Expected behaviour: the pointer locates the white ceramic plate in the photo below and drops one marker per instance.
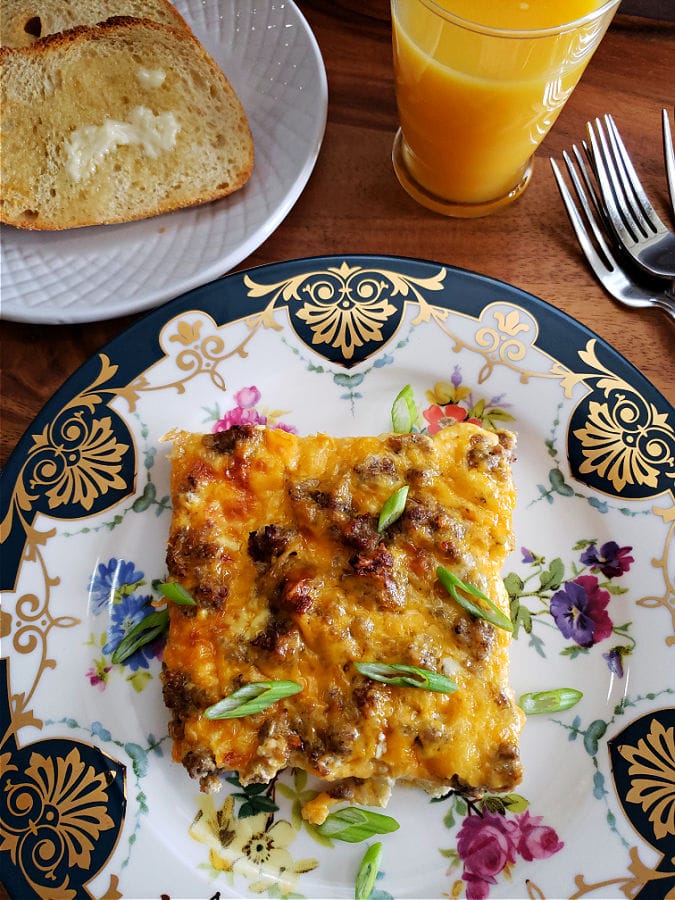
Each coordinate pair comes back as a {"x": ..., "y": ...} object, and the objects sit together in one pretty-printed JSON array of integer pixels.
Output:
[
  {"x": 271, "y": 57},
  {"x": 91, "y": 797}
]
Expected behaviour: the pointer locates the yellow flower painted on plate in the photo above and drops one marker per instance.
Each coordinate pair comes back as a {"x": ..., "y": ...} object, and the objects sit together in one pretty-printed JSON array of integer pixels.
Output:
[
  {"x": 445, "y": 392},
  {"x": 255, "y": 847}
]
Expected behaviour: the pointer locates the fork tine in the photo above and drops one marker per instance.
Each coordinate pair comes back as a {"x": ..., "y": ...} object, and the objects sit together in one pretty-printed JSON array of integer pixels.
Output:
[
  {"x": 605, "y": 171},
  {"x": 599, "y": 266},
  {"x": 592, "y": 191},
  {"x": 607, "y": 271},
  {"x": 593, "y": 219},
  {"x": 669, "y": 155},
  {"x": 645, "y": 214}
]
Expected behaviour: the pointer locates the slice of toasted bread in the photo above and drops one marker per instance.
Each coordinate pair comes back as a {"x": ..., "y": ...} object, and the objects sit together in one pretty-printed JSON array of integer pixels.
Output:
[
  {"x": 116, "y": 122},
  {"x": 26, "y": 21}
]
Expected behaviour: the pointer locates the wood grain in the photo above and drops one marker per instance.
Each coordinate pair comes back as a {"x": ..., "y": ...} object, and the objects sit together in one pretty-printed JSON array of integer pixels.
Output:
[{"x": 353, "y": 203}]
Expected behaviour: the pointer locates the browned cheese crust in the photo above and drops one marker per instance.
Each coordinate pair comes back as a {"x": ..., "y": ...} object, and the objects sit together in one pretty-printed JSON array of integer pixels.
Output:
[{"x": 276, "y": 538}]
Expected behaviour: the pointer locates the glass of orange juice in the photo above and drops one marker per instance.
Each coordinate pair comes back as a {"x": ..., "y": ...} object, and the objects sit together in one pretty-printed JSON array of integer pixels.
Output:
[{"x": 479, "y": 83}]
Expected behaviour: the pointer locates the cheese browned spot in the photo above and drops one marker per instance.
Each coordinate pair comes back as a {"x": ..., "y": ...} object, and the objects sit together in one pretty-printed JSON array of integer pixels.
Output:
[{"x": 275, "y": 536}]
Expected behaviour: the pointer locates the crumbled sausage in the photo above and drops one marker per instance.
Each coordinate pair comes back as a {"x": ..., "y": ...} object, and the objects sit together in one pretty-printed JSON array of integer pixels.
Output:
[
  {"x": 280, "y": 636},
  {"x": 208, "y": 596},
  {"x": 450, "y": 551},
  {"x": 181, "y": 695},
  {"x": 398, "y": 442},
  {"x": 507, "y": 761},
  {"x": 296, "y": 595},
  {"x": 378, "y": 563},
  {"x": 507, "y": 439},
  {"x": 476, "y": 635},
  {"x": 269, "y": 637},
  {"x": 201, "y": 764},
  {"x": 482, "y": 453},
  {"x": 187, "y": 552},
  {"x": 268, "y": 542},
  {"x": 185, "y": 548},
  {"x": 228, "y": 440},
  {"x": 376, "y": 465},
  {"x": 200, "y": 472},
  {"x": 360, "y": 532},
  {"x": 343, "y": 790},
  {"x": 378, "y": 568},
  {"x": 419, "y": 516},
  {"x": 313, "y": 500}
]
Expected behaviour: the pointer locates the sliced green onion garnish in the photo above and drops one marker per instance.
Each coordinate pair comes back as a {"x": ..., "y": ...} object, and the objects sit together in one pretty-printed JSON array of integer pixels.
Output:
[
  {"x": 146, "y": 631},
  {"x": 392, "y": 508},
  {"x": 493, "y": 614},
  {"x": 370, "y": 865},
  {"x": 404, "y": 411},
  {"x": 401, "y": 675},
  {"x": 251, "y": 698},
  {"x": 353, "y": 824},
  {"x": 553, "y": 701},
  {"x": 175, "y": 592}
]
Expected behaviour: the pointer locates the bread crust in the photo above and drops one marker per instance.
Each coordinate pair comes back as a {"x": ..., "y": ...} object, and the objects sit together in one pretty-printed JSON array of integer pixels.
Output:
[
  {"x": 88, "y": 77},
  {"x": 26, "y": 21}
]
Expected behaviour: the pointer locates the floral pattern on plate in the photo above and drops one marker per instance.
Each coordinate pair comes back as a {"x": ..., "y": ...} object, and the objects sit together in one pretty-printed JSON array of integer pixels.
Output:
[{"x": 83, "y": 524}]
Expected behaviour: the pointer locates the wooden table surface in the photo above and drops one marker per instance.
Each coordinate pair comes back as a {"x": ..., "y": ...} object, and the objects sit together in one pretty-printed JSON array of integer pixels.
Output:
[{"x": 353, "y": 203}]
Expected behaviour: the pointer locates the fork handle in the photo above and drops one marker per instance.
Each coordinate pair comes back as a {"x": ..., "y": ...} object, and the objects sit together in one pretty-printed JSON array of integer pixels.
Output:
[{"x": 667, "y": 309}]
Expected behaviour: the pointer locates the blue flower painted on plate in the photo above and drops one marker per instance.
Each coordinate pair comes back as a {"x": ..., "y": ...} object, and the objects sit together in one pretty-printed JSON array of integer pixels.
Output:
[
  {"x": 126, "y": 614},
  {"x": 110, "y": 581},
  {"x": 114, "y": 588}
]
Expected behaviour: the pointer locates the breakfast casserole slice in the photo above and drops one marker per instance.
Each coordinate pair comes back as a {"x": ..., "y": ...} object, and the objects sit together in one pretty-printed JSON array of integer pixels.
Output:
[{"x": 278, "y": 540}]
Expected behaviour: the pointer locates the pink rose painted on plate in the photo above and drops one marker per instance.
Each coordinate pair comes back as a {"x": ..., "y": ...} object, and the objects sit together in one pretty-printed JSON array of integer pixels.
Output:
[
  {"x": 489, "y": 843},
  {"x": 246, "y": 413}
]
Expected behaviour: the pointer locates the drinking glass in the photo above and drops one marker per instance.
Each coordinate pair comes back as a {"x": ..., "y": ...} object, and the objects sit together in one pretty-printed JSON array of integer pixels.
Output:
[{"x": 476, "y": 95}]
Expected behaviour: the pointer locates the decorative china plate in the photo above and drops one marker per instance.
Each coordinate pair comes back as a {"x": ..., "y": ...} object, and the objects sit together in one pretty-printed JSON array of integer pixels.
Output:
[
  {"x": 271, "y": 57},
  {"x": 93, "y": 806}
]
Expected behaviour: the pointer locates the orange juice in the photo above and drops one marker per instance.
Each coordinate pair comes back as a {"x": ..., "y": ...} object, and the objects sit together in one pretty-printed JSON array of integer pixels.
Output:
[{"x": 478, "y": 85}]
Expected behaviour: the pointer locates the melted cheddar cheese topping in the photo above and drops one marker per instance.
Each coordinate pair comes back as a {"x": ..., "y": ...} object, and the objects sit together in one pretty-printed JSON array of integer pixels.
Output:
[{"x": 275, "y": 536}]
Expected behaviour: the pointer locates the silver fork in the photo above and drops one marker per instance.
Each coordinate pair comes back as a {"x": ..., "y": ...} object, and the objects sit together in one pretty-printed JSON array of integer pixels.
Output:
[
  {"x": 603, "y": 263},
  {"x": 669, "y": 156},
  {"x": 633, "y": 219}
]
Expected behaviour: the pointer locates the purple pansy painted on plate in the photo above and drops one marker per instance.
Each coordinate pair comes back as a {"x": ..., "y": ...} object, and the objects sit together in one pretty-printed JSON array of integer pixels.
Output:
[
  {"x": 580, "y": 606},
  {"x": 98, "y": 674},
  {"x": 610, "y": 559},
  {"x": 579, "y": 609}
]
